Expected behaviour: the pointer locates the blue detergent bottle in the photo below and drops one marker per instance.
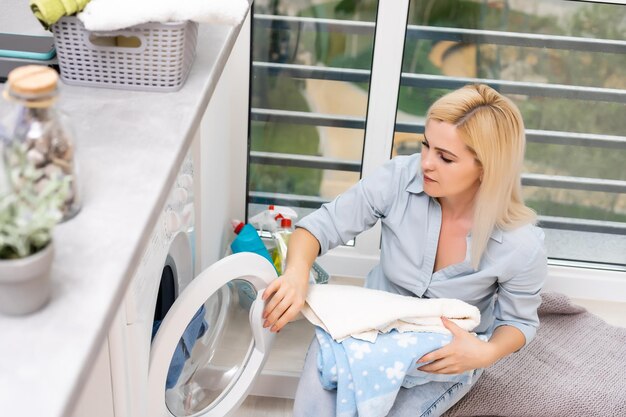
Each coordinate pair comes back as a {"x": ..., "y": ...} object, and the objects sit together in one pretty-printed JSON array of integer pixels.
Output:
[{"x": 248, "y": 240}]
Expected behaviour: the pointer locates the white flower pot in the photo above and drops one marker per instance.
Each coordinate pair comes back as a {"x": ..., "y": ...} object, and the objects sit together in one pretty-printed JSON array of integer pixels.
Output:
[{"x": 25, "y": 282}]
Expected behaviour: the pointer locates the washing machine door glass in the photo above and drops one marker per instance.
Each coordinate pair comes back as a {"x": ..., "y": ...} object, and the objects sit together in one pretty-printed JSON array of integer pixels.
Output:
[{"x": 211, "y": 345}]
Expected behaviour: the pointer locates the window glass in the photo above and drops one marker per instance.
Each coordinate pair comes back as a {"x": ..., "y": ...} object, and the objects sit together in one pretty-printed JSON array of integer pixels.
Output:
[
  {"x": 310, "y": 82},
  {"x": 562, "y": 63}
]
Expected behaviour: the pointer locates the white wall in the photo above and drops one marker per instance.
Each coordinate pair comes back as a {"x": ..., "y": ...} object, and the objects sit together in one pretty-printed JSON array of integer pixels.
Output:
[
  {"x": 223, "y": 155},
  {"x": 22, "y": 20}
]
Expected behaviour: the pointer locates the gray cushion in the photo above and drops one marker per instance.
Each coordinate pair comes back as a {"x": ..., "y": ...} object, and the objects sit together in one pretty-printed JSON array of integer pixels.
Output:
[{"x": 576, "y": 366}]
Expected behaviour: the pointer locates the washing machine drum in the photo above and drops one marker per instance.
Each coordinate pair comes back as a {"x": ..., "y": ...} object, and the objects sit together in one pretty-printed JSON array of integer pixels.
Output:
[{"x": 211, "y": 344}]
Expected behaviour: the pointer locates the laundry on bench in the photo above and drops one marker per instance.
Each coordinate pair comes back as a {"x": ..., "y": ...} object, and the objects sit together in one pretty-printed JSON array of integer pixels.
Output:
[
  {"x": 362, "y": 313},
  {"x": 370, "y": 341}
]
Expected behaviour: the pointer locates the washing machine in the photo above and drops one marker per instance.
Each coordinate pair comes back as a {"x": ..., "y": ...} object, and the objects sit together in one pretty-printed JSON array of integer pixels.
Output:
[{"x": 186, "y": 344}]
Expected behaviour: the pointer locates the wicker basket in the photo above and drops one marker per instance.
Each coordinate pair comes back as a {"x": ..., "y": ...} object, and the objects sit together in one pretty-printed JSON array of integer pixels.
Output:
[{"x": 157, "y": 56}]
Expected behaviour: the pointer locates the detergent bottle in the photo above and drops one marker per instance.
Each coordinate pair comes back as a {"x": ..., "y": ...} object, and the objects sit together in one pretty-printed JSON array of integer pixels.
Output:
[
  {"x": 248, "y": 240},
  {"x": 281, "y": 239}
]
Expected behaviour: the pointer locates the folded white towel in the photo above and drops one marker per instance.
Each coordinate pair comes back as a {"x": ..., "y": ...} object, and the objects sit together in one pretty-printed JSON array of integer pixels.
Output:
[
  {"x": 104, "y": 15},
  {"x": 347, "y": 311}
]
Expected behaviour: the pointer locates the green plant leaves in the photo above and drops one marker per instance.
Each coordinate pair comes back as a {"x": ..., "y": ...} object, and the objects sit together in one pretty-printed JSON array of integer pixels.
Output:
[{"x": 31, "y": 210}]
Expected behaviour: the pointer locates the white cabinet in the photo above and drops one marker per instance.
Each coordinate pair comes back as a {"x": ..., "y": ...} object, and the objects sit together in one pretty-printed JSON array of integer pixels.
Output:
[{"x": 96, "y": 397}]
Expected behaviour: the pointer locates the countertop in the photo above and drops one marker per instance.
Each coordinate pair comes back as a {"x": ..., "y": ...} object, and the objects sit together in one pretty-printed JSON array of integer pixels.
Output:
[{"x": 130, "y": 146}]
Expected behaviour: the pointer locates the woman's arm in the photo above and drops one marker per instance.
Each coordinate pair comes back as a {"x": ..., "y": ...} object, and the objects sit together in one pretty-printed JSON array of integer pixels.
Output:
[
  {"x": 285, "y": 296},
  {"x": 506, "y": 340},
  {"x": 467, "y": 352},
  {"x": 516, "y": 321},
  {"x": 335, "y": 223}
]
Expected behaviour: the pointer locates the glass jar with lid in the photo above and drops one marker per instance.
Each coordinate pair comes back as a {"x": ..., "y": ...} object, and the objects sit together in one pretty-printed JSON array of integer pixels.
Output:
[{"x": 42, "y": 141}]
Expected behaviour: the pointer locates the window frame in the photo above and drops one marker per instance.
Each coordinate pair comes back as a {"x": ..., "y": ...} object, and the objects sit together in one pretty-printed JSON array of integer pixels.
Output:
[{"x": 576, "y": 279}]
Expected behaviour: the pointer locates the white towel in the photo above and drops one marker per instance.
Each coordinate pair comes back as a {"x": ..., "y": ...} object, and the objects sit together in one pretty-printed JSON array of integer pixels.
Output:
[
  {"x": 105, "y": 15},
  {"x": 348, "y": 311}
]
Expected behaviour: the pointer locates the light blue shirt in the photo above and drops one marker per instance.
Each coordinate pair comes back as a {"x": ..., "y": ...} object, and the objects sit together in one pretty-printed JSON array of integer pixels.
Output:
[{"x": 506, "y": 286}]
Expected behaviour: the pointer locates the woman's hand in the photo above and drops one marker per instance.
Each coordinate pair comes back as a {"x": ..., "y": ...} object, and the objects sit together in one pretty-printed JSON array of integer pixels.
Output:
[
  {"x": 465, "y": 352},
  {"x": 284, "y": 298}
]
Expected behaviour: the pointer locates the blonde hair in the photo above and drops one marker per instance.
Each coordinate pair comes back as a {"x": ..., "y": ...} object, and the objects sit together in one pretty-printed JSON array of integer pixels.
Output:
[{"x": 491, "y": 126}]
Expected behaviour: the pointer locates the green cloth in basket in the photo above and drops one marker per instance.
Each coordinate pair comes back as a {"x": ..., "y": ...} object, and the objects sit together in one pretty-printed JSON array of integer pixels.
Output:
[{"x": 50, "y": 11}]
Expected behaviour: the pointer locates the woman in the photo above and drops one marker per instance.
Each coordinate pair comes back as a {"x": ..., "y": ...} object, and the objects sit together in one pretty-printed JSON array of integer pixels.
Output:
[{"x": 453, "y": 226}]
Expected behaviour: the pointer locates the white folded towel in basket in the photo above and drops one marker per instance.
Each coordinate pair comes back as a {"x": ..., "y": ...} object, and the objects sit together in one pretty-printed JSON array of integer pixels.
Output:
[
  {"x": 362, "y": 313},
  {"x": 106, "y": 15}
]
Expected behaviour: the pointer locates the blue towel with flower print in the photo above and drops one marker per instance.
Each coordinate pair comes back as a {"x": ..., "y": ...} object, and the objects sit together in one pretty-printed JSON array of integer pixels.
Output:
[{"x": 368, "y": 376}]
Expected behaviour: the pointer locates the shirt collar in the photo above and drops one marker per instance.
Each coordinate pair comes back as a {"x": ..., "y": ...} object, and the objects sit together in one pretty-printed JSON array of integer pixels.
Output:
[
  {"x": 496, "y": 234},
  {"x": 416, "y": 186}
]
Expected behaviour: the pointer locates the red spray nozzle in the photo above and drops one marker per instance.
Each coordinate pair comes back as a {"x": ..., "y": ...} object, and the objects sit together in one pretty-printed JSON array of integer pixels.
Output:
[{"x": 237, "y": 226}]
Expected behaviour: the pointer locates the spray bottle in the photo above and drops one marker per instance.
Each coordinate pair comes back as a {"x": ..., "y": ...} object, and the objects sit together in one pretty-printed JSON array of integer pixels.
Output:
[{"x": 266, "y": 220}]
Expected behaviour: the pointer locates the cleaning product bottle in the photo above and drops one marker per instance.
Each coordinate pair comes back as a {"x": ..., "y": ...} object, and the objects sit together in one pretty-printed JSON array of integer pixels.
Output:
[
  {"x": 281, "y": 237},
  {"x": 266, "y": 220},
  {"x": 248, "y": 240}
]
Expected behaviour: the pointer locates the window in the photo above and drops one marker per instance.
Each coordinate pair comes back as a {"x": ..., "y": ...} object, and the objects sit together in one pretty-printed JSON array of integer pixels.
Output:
[
  {"x": 331, "y": 80},
  {"x": 310, "y": 83},
  {"x": 561, "y": 62}
]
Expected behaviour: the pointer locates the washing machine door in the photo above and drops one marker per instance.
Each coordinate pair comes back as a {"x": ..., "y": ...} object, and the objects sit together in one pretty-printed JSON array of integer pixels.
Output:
[{"x": 211, "y": 345}]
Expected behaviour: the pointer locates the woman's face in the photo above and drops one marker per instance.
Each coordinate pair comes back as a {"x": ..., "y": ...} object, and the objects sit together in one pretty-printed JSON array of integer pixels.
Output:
[{"x": 450, "y": 169}]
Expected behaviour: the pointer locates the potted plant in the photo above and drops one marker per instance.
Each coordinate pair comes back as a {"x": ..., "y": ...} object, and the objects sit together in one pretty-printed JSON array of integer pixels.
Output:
[{"x": 30, "y": 207}]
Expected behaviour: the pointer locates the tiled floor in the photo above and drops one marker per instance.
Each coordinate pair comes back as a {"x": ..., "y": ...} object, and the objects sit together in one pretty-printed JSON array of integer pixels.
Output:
[
  {"x": 612, "y": 313},
  {"x": 265, "y": 407}
]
